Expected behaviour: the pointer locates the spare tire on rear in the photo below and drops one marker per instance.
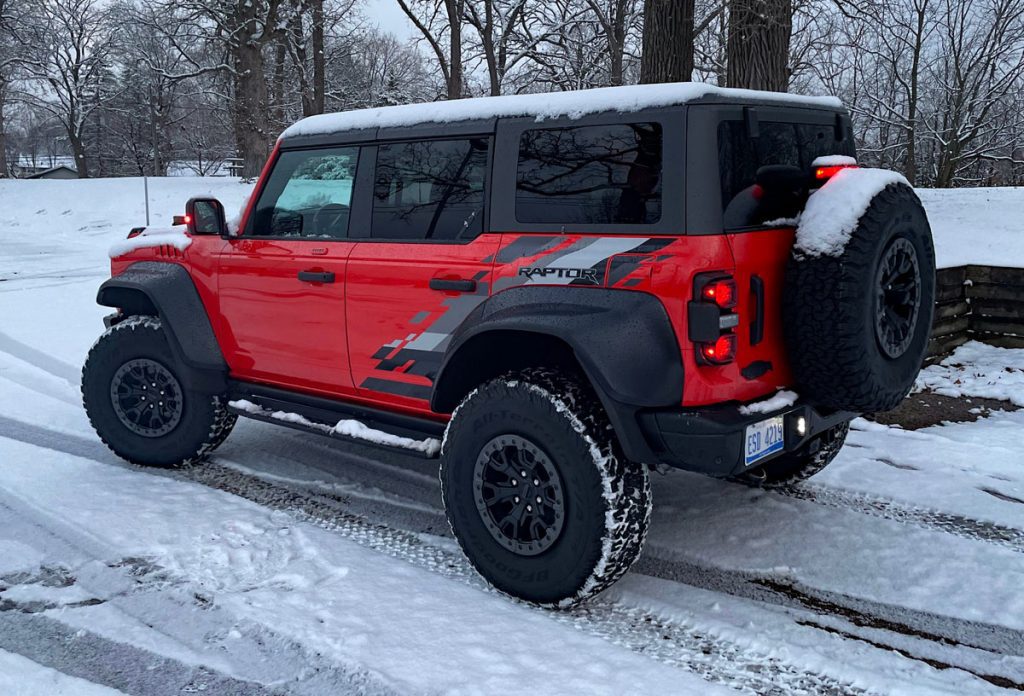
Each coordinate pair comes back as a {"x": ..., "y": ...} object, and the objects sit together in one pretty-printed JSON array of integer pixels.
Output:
[{"x": 857, "y": 319}]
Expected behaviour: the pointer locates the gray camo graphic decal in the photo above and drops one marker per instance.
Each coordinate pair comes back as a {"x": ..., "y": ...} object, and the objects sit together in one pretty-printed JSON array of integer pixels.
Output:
[{"x": 424, "y": 352}]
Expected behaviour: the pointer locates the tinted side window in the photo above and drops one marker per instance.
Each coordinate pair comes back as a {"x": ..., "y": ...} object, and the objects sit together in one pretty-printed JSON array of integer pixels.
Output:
[
  {"x": 308, "y": 194},
  {"x": 429, "y": 190},
  {"x": 590, "y": 174},
  {"x": 739, "y": 158}
]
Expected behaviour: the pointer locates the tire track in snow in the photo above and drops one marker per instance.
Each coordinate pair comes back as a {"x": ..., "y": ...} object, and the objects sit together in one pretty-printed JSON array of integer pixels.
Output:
[
  {"x": 40, "y": 360},
  {"x": 671, "y": 643},
  {"x": 888, "y": 509},
  {"x": 934, "y": 639},
  {"x": 675, "y": 644}
]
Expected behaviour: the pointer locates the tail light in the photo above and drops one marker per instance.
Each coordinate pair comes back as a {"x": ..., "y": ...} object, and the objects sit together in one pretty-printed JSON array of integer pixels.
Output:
[
  {"x": 721, "y": 291},
  {"x": 711, "y": 319},
  {"x": 721, "y": 352}
]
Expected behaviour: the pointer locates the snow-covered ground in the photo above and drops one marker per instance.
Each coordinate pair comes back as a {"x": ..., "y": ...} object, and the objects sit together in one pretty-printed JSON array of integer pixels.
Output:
[{"x": 297, "y": 564}]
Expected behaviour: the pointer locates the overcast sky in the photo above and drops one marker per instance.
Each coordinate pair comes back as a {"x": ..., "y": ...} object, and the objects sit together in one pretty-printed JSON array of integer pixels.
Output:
[{"x": 389, "y": 17}]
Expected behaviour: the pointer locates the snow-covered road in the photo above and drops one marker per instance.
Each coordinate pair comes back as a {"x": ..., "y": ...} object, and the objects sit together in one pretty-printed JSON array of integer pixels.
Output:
[{"x": 297, "y": 564}]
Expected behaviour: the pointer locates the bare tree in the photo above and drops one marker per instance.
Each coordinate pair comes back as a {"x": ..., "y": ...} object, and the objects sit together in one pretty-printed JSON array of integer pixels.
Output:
[
  {"x": 65, "y": 46},
  {"x": 440, "y": 23}
]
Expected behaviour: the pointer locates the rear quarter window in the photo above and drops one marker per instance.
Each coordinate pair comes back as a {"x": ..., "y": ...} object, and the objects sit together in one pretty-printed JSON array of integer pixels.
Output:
[{"x": 607, "y": 174}]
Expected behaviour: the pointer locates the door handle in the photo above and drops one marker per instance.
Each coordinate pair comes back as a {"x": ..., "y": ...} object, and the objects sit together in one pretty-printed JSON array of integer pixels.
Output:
[
  {"x": 316, "y": 277},
  {"x": 456, "y": 285}
]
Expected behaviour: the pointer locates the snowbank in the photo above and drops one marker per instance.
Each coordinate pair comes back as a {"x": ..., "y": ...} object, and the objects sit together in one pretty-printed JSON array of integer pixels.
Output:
[
  {"x": 538, "y": 106},
  {"x": 980, "y": 370},
  {"x": 970, "y": 226},
  {"x": 976, "y": 226}
]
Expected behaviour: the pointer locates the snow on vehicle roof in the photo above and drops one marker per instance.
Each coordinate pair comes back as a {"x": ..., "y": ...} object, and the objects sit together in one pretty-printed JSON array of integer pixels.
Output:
[{"x": 542, "y": 106}]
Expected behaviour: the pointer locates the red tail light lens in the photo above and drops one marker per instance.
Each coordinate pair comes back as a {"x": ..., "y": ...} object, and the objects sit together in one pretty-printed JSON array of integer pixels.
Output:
[
  {"x": 721, "y": 351},
  {"x": 721, "y": 292},
  {"x": 826, "y": 173}
]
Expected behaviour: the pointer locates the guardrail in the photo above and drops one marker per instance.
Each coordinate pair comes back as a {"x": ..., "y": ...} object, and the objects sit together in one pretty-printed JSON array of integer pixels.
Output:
[{"x": 983, "y": 303}]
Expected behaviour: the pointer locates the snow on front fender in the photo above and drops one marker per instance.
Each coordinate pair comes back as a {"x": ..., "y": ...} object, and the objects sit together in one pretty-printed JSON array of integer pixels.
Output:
[
  {"x": 833, "y": 211},
  {"x": 151, "y": 237}
]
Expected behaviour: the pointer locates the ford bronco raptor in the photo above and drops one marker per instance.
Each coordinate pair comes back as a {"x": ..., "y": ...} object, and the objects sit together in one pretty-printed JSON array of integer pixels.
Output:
[{"x": 550, "y": 293}]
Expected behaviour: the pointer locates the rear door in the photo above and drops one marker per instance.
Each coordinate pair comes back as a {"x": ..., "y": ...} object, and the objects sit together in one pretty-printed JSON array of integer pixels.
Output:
[
  {"x": 759, "y": 224},
  {"x": 422, "y": 267},
  {"x": 282, "y": 280}
]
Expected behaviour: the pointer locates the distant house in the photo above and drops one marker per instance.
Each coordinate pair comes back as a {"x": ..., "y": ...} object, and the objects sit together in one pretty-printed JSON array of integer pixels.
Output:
[
  {"x": 60, "y": 172},
  {"x": 25, "y": 167}
]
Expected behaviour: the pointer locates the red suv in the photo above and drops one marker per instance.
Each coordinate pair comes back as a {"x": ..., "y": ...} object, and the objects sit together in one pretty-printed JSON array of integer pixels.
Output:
[{"x": 551, "y": 293}]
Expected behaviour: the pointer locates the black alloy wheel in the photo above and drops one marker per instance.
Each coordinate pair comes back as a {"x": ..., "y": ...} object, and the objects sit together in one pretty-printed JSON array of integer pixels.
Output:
[
  {"x": 518, "y": 494},
  {"x": 897, "y": 298},
  {"x": 146, "y": 397}
]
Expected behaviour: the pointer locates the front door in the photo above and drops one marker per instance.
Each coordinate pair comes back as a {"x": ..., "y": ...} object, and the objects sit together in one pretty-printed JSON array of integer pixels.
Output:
[
  {"x": 282, "y": 281},
  {"x": 423, "y": 269}
]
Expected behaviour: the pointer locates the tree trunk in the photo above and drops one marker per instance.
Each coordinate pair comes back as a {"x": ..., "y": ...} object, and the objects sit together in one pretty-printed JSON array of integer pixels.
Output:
[
  {"x": 668, "y": 41},
  {"x": 319, "y": 59},
  {"x": 454, "y": 10},
  {"x": 78, "y": 151},
  {"x": 277, "y": 96},
  {"x": 250, "y": 112},
  {"x": 757, "y": 51}
]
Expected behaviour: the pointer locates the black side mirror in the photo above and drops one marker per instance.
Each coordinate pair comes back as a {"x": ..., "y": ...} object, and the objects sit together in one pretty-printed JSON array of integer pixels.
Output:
[
  {"x": 781, "y": 178},
  {"x": 203, "y": 216}
]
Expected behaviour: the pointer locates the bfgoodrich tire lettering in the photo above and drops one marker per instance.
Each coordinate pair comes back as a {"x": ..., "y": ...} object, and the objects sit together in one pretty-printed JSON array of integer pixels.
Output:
[
  {"x": 840, "y": 357},
  {"x": 593, "y": 548},
  {"x": 200, "y": 422}
]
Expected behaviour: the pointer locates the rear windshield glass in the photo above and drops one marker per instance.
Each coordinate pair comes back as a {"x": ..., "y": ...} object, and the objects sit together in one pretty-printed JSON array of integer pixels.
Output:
[
  {"x": 590, "y": 175},
  {"x": 740, "y": 156}
]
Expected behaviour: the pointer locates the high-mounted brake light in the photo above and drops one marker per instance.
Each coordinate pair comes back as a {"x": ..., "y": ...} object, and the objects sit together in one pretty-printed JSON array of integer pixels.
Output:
[
  {"x": 721, "y": 292},
  {"x": 721, "y": 351},
  {"x": 826, "y": 173}
]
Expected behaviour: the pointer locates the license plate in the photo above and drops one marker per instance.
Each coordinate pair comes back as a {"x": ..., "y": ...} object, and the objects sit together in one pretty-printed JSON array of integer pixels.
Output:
[{"x": 763, "y": 439}]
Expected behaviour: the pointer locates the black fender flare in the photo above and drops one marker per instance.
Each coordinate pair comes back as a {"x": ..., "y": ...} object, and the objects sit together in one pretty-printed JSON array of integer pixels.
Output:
[
  {"x": 623, "y": 340},
  {"x": 168, "y": 290}
]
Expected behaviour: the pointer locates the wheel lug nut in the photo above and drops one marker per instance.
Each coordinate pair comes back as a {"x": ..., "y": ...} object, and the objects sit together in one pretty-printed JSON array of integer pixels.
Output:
[
  {"x": 523, "y": 473},
  {"x": 538, "y": 499},
  {"x": 536, "y": 482},
  {"x": 517, "y": 498},
  {"x": 529, "y": 508},
  {"x": 514, "y": 482}
]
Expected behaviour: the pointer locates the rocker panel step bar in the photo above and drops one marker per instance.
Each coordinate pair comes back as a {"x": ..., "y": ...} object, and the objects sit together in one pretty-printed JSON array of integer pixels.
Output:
[{"x": 324, "y": 413}]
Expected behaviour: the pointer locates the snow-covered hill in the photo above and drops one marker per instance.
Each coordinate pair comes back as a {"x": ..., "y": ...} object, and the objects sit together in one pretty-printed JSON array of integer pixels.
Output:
[{"x": 977, "y": 225}]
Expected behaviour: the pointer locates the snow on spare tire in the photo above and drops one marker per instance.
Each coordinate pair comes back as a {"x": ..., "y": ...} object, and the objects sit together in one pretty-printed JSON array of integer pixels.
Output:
[{"x": 859, "y": 291}]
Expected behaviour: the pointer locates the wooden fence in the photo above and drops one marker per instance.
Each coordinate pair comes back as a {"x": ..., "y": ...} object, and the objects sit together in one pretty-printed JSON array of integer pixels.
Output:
[{"x": 984, "y": 303}]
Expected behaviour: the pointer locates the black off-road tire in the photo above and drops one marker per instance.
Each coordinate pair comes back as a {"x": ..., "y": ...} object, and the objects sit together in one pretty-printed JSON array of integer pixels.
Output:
[
  {"x": 831, "y": 303},
  {"x": 203, "y": 423},
  {"x": 799, "y": 465},
  {"x": 607, "y": 499}
]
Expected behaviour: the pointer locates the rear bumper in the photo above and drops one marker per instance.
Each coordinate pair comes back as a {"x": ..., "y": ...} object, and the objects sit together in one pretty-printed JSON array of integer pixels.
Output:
[{"x": 711, "y": 440}]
